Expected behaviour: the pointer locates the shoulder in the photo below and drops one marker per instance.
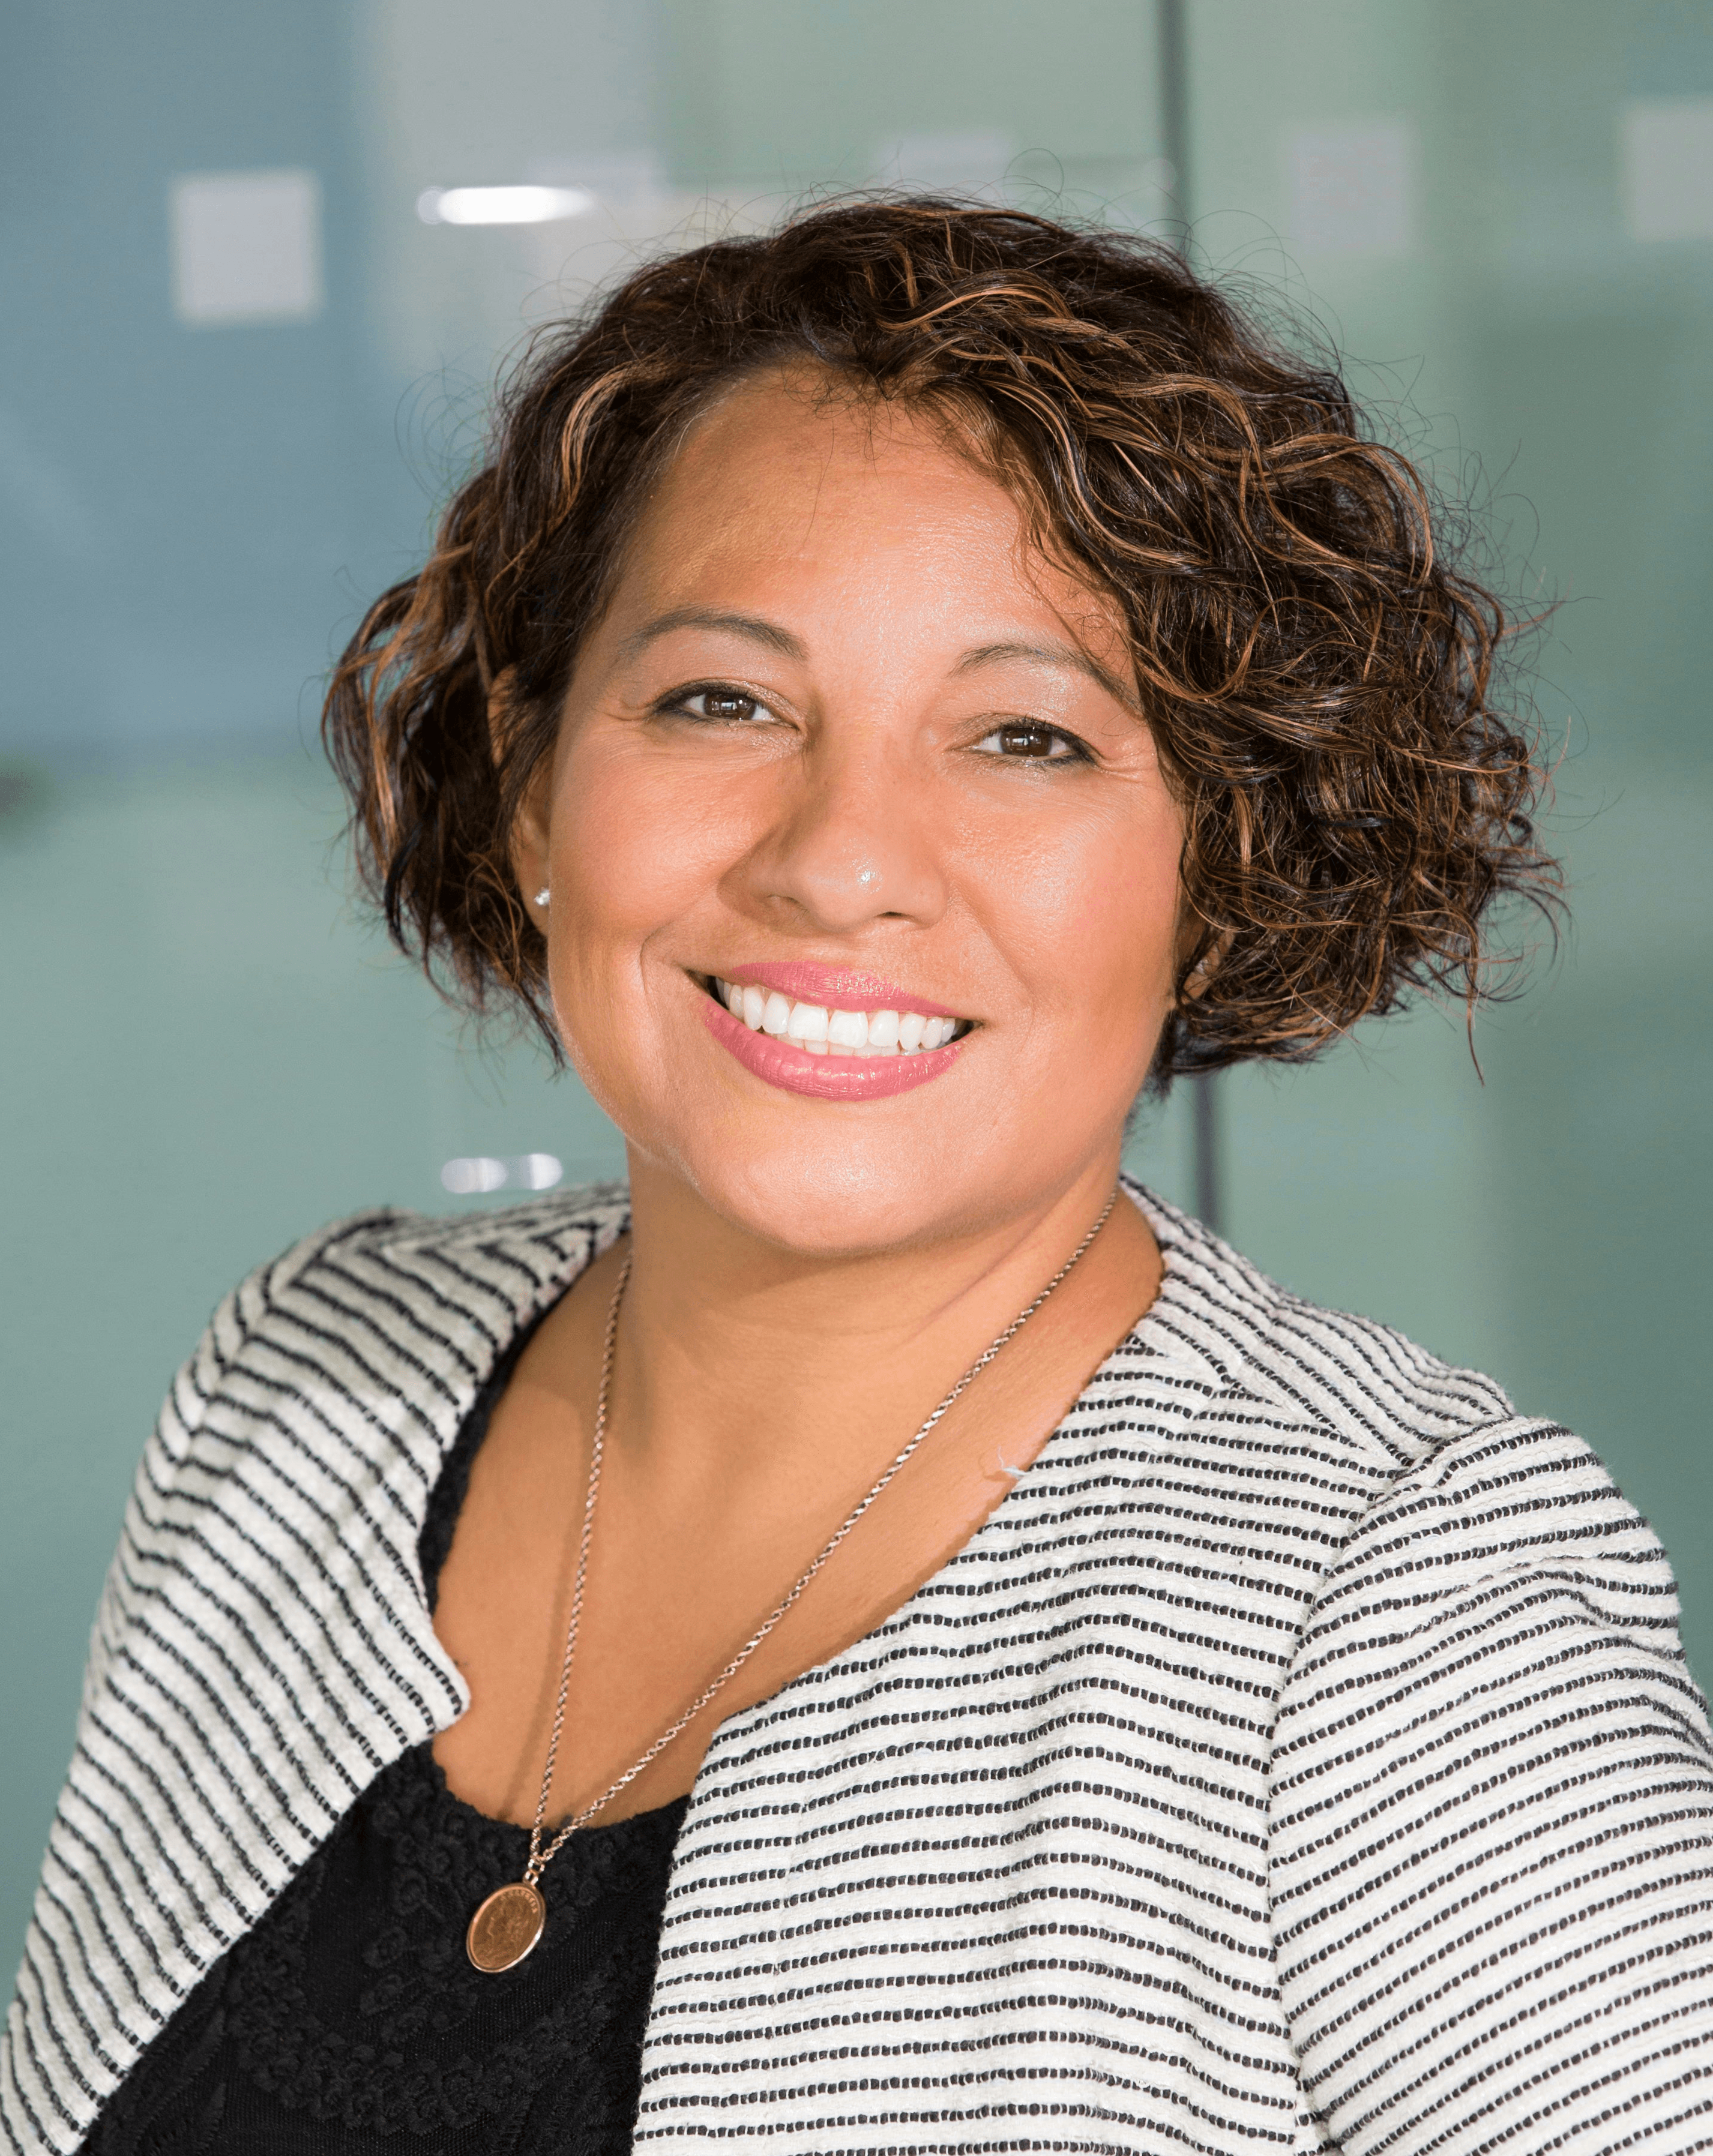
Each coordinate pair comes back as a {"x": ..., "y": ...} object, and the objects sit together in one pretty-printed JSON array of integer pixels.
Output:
[
  {"x": 511, "y": 1242},
  {"x": 1457, "y": 1565},
  {"x": 318, "y": 1407},
  {"x": 1382, "y": 1399},
  {"x": 392, "y": 1317},
  {"x": 1438, "y": 1482},
  {"x": 491, "y": 1266}
]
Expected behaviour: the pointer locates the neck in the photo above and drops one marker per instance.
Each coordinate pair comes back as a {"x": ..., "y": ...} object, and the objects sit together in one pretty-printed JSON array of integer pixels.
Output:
[{"x": 750, "y": 1362}]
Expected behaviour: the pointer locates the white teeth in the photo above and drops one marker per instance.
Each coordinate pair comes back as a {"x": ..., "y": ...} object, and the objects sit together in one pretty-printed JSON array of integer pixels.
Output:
[{"x": 819, "y": 1031}]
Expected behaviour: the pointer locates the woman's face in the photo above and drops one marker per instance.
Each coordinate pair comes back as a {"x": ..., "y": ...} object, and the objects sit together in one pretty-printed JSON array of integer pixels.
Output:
[{"x": 845, "y": 751}]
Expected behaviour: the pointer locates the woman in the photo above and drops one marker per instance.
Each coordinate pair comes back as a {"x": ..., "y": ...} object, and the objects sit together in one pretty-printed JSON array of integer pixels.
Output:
[{"x": 896, "y": 690}]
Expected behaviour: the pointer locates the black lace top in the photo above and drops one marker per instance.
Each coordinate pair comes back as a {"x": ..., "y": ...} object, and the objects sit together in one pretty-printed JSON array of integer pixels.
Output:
[{"x": 351, "y": 2017}]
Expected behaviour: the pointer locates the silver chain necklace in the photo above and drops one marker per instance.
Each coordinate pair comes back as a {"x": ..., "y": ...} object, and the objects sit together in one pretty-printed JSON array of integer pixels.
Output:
[{"x": 510, "y": 1921}]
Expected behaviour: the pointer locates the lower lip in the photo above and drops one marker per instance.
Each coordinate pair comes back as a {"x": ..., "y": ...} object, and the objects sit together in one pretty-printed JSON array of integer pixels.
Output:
[{"x": 825, "y": 1077}]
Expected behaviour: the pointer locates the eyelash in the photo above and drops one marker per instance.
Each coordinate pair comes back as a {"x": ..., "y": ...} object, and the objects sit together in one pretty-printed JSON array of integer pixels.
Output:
[{"x": 676, "y": 705}]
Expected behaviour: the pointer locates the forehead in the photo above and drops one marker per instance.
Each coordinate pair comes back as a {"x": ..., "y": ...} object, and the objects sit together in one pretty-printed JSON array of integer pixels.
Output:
[
  {"x": 780, "y": 413},
  {"x": 793, "y": 474}
]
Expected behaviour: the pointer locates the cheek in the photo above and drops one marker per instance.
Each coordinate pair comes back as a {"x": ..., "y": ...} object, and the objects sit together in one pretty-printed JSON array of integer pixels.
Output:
[
  {"x": 1096, "y": 914},
  {"x": 633, "y": 851}
]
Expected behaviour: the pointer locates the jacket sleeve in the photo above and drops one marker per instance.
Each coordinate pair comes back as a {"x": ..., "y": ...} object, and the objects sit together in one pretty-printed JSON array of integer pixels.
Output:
[
  {"x": 175, "y": 1429},
  {"x": 1491, "y": 1822},
  {"x": 99, "y": 1977}
]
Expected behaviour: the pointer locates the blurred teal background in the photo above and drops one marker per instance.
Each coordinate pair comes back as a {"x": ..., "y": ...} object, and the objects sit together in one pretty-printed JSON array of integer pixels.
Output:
[{"x": 228, "y": 404}]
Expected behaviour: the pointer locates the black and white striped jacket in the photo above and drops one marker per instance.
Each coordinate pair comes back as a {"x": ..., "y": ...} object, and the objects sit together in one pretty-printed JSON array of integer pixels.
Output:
[{"x": 1303, "y": 1753}]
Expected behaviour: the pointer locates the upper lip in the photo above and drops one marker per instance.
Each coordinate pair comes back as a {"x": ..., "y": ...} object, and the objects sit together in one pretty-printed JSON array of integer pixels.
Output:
[{"x": 835, "y": 988}]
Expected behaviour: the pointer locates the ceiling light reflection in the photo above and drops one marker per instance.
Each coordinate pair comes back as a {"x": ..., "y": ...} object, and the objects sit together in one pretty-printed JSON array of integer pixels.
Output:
[
  {"x": 477, "y": 1173},
  {"x": 536, "y": 1170},
  {"x": 502, "y": 205}
]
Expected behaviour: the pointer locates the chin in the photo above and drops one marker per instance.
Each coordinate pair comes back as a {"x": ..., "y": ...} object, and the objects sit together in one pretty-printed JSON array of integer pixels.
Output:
[
  {"x": 828, "y": 1200},
  {"x": 849, "y": 1185}
]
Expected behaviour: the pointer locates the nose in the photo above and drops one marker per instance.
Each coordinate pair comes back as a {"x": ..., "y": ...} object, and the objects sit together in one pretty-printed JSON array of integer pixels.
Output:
[{"x": 852, "y": 841}]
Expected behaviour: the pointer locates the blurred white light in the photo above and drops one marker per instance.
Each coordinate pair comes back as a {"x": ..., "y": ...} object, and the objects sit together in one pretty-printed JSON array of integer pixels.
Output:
[
  {"x": 1666, "y": 154},
  {"x": 246, "y": 247},
  {"x": 536, "y": 1170},
  {"x": 479, "y": 1173},
  {"x": 501, "y": 205},
  {"x": 462, "y": 1176},
  {"x": 1353, "y": 188}
]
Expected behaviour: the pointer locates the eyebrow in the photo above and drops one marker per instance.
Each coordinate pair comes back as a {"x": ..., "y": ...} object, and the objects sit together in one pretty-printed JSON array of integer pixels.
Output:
[
  {"x": 766, "y": 632},
  {"x": 1054, "y": 654}
]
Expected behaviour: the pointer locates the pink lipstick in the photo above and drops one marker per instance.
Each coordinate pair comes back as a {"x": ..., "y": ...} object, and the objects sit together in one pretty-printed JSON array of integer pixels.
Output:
[{"x": 828, "y": 1077}]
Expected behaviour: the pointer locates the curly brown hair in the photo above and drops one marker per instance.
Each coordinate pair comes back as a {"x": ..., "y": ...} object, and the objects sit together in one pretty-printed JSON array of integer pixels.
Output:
[{"x": 1317, "y": 672}]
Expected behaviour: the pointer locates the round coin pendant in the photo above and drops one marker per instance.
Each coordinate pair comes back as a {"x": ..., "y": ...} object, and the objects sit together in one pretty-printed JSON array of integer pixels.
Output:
[{"x": 505, "y": 1927}]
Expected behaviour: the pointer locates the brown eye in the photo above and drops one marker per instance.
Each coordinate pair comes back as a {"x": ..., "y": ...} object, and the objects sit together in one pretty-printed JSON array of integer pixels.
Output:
[
  {"x": 726, "y": 704},
  {"x": 1024, "y": 738},
  {"x": 722, "y": 707},
  {"x": 1025, "y": 741}
]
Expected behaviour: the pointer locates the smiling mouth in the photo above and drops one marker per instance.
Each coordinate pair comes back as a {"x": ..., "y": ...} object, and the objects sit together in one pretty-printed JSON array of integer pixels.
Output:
[{"x": 820, "y": 1029}]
